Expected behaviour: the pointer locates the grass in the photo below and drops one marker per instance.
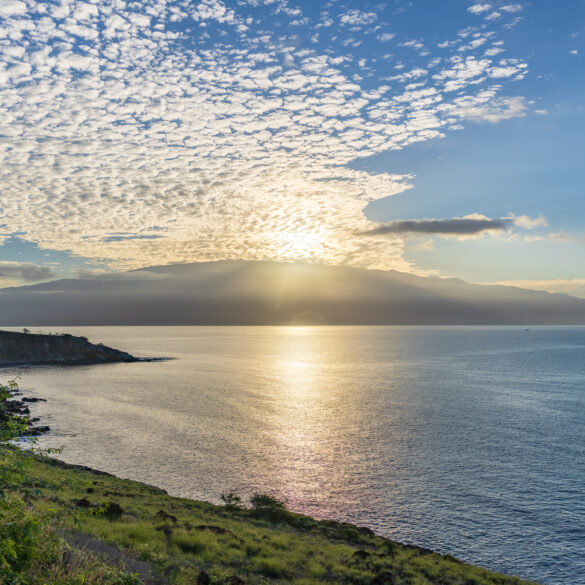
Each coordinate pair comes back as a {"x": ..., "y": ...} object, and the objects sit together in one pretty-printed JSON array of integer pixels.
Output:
[{"x": 180, "y": 538}]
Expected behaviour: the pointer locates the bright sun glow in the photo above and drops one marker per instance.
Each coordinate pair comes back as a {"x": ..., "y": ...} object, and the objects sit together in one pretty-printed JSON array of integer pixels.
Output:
[{"x": 300, "y": 245}]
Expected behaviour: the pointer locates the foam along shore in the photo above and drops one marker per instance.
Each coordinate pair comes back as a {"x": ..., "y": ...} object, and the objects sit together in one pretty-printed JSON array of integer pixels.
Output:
[{"x": 28, "y": 349}]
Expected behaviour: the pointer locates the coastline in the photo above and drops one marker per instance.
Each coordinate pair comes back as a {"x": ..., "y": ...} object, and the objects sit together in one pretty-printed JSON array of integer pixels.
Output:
[
  {"x": 256, "y": 545},
  {"x": 127, "y": 524},
  {"x": 36, "y": 364},
  {"x": 75, "y": 489},
  {"x": 18, "y": 406}
]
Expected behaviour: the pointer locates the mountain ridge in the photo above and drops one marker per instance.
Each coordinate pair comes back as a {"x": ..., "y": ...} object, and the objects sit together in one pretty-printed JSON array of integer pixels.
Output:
[{"x": 244, "y": 292}]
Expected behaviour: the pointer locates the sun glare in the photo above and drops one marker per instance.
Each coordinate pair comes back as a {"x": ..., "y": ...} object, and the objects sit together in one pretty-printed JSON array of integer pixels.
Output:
[{"x": 299, "y": 245}]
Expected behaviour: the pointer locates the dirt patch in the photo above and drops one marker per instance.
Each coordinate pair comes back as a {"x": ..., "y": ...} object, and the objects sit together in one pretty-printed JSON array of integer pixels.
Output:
[{"x": 115, "y": 557}]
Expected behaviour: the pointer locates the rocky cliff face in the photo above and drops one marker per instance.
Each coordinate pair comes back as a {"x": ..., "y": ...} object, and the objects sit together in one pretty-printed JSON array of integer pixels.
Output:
[{"x": 35, "y": 349}]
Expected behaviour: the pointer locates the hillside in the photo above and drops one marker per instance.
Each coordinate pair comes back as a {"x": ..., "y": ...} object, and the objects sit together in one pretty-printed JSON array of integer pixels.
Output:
[
  {"x": 168, "y": 540},
  {"x": 272, "y": 293},
  {"x": 37, "y": 349}
]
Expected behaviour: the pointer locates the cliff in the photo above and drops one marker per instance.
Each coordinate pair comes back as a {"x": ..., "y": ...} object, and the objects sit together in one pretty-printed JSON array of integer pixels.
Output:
[{"x": 39, "y": 349}]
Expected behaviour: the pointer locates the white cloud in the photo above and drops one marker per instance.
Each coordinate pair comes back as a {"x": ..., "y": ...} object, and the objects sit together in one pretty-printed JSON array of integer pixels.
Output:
[
  {"x": 116, "y": 123},
  {"x": 357, "y": 18},
  {"x": 511, "y": 8},
  {"x": 479, "y": 8},
  {"x": 492, "y": 111},
  {"x": 528, "y": 223},
  {"x": 10, "y": 8}
]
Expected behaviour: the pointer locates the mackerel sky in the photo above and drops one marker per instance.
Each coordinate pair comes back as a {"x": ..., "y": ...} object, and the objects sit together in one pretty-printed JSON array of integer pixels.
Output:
[{"x": 435, "y": 137}]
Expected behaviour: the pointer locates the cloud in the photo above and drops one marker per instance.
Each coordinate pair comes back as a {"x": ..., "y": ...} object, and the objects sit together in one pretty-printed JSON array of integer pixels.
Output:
[
  {"x": 357, "y": 18},
  {"x": 528, "y": 223},
  {"x": 26, "y": 271},
  {"x": 10, "y": 8},
  {"x": 220, "y": 129},
  {"x": 123, "y": 237},
  {"x": 511, "y": 8},
  {"x": 494, "y": 111},
  {"x": 479, "y": 8},
  {"x": 575, "y": 286},
  {"x": 457, "y": 226}
]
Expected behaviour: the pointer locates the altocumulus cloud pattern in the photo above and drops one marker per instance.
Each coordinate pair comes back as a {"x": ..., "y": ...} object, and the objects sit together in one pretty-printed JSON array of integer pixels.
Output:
[{"x": 153, "y": 131}]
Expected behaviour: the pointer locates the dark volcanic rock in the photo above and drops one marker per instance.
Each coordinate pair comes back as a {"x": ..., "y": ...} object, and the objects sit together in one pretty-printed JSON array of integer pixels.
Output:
[
  {"x": 214, "y": 529},
  {"x": 361, "y": 554},
  {"x": 384, "y": 578},
  {"x": 36, "y": 431},
  {"x": 114, "y": 510},
  {"x": 36, "y": 349},
  {"x": 162, "y": 515}
]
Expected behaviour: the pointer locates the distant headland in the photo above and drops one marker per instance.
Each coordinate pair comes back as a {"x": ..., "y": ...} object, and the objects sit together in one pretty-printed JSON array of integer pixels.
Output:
[{"x": 26, "y": 348}]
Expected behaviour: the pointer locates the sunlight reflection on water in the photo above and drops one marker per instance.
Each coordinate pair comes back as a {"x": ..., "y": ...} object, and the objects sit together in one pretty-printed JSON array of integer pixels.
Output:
[{"x": 465, "y": 440}]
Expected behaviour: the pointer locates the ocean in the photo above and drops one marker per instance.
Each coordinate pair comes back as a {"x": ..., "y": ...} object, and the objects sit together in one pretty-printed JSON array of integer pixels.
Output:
[{"x": 466, "y": 440}]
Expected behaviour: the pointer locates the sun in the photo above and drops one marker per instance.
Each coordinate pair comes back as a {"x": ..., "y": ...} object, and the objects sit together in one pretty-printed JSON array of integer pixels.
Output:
[{"x": 299, "y": 245}]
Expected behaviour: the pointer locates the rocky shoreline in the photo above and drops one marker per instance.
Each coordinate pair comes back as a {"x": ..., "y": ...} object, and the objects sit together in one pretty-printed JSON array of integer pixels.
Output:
[
  {"x": 24, "y": 349},
  {"x": 17, "y": 407}
]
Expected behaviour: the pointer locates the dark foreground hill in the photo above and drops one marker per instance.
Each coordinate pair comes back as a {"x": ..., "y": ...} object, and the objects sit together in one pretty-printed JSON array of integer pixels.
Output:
[
  {"x": 273, "y": 293},
  {"x": 34, "y": 349}
]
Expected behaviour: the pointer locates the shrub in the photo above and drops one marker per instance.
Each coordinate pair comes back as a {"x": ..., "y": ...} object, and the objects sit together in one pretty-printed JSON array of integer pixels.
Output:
[
  {"x": 263, "y": 502},
  {"x": 268, "y": 506},
  {"x": 231, "y": 501}
]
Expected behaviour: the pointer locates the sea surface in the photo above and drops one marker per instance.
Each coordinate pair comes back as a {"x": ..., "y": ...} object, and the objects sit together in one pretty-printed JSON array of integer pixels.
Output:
[{"x": 466, "y": 440}]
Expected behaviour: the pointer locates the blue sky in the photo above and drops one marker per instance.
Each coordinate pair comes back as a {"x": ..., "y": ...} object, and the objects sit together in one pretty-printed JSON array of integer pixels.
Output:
[{"x": 434, "y": 137}]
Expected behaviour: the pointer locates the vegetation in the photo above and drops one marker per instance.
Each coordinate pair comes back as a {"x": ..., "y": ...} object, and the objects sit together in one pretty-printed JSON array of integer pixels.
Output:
[
  {"x": 71, "y": 525},
  {"x": 32, "y": 551}
]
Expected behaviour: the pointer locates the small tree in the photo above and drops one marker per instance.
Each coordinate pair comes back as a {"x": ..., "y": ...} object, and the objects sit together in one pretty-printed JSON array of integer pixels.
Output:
[
  {"x": 269, "y": 507},
  {"x": 231, "y": 501}
]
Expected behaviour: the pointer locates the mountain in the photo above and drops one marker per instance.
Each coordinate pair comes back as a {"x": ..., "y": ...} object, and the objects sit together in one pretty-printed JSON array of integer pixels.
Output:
[{"x": 272, "y": 293}]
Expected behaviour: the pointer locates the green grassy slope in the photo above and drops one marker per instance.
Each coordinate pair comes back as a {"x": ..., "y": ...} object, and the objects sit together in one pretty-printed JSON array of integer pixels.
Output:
[{"x": 180, "y": 538}]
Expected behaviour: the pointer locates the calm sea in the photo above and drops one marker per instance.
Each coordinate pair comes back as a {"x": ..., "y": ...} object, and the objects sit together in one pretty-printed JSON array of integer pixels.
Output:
[{"x": 465, "y": 440}]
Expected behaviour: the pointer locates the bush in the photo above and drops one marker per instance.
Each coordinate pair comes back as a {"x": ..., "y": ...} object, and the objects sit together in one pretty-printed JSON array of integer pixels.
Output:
[
  {"x": 268, "y": 506},
  {"x": 19, "y": 535},
  {"x": 231, "y": 501}
]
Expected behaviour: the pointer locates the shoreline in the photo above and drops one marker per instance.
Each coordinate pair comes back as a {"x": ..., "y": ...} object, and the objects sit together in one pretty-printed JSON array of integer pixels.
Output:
[
  {"x": 84, "y": 491},
  {"x": 368, "y": 553},
  {"x": 18, "y": 406},
  {"x": 39, "y": 364}
]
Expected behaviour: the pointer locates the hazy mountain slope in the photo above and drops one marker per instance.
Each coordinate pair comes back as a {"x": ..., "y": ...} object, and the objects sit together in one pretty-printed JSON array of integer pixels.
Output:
[{"x": 265, "y": 293}]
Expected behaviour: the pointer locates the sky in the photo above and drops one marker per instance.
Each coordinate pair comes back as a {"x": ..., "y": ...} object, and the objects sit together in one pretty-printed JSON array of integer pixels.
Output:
[{"x": 436, "y": 137}]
